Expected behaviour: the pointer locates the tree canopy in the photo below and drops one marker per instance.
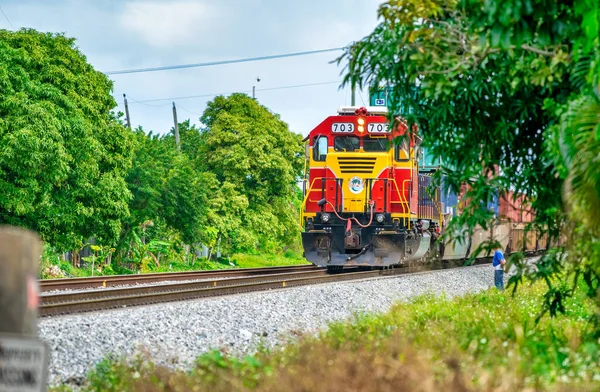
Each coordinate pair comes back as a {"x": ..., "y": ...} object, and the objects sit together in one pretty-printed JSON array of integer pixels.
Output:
[
  {"x": 233, "y": 184},
  {"x": 63, "y": 154},
  {"x": 70, "y": 170},
  {"x": 507, "y": 92},
  {"x": 168, "y": 190},
  {"x": 255, "y": 156}
]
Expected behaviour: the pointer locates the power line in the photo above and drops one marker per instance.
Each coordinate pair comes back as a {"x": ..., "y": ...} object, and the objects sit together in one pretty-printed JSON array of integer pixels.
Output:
[
  {"x": 211, "y": 63},
  {"x": 147, "y": 104},
  {"x": 299, "y": 85},
  {"x": 8, "y": 20},
  {"x": 189, "y": 111},
  {"x": 145, "y": 101}
]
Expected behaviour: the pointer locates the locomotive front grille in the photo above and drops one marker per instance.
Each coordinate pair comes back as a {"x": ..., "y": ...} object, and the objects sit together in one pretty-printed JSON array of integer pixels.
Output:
[{"x": 357, "y": 164}]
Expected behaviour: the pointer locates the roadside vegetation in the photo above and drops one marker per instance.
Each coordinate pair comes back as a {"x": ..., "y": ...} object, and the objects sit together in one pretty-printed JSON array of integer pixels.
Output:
[
  {"x": 74, "y": 172},
  {"x": 487, "y": 341},
  {"x": 54, "y": 267}
]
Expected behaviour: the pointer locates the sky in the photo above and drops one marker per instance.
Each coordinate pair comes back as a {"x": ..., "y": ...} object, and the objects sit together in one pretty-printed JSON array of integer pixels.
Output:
[{"x": 128, "y": 34}]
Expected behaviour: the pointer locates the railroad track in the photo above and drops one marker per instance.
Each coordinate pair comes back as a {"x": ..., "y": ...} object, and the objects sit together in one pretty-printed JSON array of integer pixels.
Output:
[
  {"x": 93, "y": 300},
  {"x": 119, "y": 280}
]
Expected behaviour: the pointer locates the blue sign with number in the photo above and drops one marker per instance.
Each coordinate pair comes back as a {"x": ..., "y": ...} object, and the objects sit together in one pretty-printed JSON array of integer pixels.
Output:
[{"x": 380, "y": 102}]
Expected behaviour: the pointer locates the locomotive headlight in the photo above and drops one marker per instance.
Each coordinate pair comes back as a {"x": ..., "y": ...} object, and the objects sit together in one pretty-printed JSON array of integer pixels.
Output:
[
  {"x": 380, "y": 218},
  {"x": 361, "y": 121},
  {"x": 325, "y": 217},
  {"x": 361, "y": 129}
]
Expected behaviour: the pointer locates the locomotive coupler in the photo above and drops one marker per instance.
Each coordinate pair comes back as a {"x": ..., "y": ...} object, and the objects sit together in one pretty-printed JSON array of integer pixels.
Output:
[{"x": 352, "y": 240}]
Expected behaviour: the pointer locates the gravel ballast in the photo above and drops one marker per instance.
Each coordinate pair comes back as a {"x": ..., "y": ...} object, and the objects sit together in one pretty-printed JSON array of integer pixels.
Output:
[{"x": 180, "y": 331}]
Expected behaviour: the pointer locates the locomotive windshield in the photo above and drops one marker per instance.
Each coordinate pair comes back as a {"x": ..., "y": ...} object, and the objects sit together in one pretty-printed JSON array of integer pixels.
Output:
[
  {"x": 376, "y": 144},
  {"x": 346, "y": 143},
  {"x": 402, "y": 149},
  {"x": 320, "y": 148}
]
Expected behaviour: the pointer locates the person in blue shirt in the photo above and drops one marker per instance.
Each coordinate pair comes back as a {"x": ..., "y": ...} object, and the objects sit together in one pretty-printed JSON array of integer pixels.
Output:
[{"x": 498, "y": 264}]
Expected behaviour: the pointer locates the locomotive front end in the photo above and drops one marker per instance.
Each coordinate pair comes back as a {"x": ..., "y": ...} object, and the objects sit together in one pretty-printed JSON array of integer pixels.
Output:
[{"x": 358, "y": 190}]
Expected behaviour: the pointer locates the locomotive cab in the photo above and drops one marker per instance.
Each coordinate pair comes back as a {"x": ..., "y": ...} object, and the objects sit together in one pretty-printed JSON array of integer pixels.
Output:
[{"x": 359, "y": 205}]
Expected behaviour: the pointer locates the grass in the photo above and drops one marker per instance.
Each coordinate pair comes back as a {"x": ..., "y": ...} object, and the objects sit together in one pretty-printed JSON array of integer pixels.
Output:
[
  {"x": 272, "y": 260},
  {"x": 238, "y": 260},
  {"x": 65, "y": 269},
  {"x": 481, "y": 342}
]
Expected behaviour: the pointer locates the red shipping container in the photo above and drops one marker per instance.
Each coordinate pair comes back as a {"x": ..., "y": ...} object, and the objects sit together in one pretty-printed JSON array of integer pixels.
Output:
[
  {"x": 515, "y": 208},
  {"x": 506, "y": 207},
  {"x": 510, "y": 206},
  {"x": 528, "y": 214}
]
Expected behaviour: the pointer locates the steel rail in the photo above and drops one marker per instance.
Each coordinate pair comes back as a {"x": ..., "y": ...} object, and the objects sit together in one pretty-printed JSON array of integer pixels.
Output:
[
  {"x": 51, "y": 305},
  {"x": 137, "y": 290},
  {"x": 118, "y": 280}
]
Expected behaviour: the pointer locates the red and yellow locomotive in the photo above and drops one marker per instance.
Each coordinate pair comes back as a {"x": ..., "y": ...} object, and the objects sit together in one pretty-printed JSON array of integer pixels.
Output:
[{"x": 365, "y": 202}]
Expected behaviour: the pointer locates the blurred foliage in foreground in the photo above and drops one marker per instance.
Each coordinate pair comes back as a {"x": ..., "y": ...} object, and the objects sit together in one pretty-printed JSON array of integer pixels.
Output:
[
  {"x": 486, "y": 341},
  {"x": 507, "y": 92}
]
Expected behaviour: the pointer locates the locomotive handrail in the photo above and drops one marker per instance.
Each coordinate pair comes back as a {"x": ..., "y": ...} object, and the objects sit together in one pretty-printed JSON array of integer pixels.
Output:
[
  {"x": 310, "y": 189},
  {"x": 404, "y": 192},
  {"x": 303, "y": 205},
  {"x": 401, "y": 196}
]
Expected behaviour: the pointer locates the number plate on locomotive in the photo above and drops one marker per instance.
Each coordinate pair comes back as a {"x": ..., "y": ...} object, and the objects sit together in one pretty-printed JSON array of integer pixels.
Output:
[
  {"x": 342, "y": 127},
  {"x": 378, "y": 128}
]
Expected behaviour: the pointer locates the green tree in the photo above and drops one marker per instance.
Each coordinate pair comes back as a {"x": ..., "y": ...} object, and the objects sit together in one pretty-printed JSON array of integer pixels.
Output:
[
  {"x": 152, "y": 159},
  {"x": 509, "y": 85},
  {"x": 63, "y": 153},
  {"x": 170, "y": 193},
  {"x": 255, "y": 157},
  {"x": 226, "y": 219},
  {"x": 191, "y": 140},
  {"x": 186, "y": 199}
]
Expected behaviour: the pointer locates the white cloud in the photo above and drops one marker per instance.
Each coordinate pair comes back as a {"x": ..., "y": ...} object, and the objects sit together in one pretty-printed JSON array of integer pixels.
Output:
[
  {"x": 163, "y": 24},
  {"x": 126, "y": 34}
]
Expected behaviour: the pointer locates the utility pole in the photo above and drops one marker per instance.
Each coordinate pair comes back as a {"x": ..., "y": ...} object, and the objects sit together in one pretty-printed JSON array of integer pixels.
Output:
[
  {"x": 176, "y": 127},
  {"x": 127, "y": 111},
  {"x": 254, "y": 88}
]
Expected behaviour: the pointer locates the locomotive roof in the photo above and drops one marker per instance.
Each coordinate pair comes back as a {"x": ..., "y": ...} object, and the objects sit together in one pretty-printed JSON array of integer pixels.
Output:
[
  {"x": 370, "y": 110},
  {"x": 371, "y": 115}
]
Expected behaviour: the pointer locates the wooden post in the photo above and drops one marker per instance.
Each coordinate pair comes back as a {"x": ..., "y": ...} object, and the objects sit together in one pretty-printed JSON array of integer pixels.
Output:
[
  {"x": 127, "y": 111},
  {"x": 176, "y": 127},
  {"x": 20, "y": 252}
]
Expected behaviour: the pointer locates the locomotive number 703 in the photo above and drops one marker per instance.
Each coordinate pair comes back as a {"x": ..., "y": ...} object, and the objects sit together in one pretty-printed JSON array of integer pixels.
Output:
[
  {"x": 342, "y": 127},
  {"x": 378, "y": 127}
]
